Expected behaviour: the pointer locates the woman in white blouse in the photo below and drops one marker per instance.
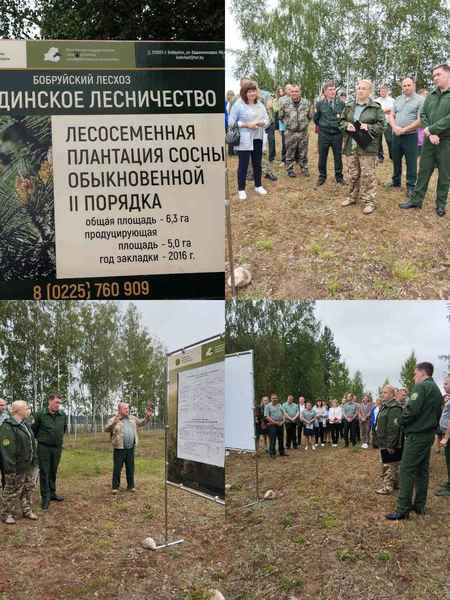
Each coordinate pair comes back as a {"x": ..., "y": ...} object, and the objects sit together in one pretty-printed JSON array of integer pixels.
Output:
[
  {"x": 250, "y": 115},
  {"x": 334, "y": 422}
]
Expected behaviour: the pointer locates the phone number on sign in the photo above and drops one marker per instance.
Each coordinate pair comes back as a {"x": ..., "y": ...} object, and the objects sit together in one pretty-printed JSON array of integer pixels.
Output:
[{"x": 91, "y": 291}]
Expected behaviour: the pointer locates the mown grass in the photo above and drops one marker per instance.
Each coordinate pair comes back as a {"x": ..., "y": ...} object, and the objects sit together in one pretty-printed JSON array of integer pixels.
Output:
[
  {"x": 325, "y": 535},
  {"x": 90, "y": 545},
  {"x": 298, "y": 242}
]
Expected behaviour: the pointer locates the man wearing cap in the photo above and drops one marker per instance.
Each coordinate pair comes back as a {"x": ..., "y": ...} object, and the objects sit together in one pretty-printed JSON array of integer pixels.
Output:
[
  {"x": 49, "y": 427},
  {"x": 419, "y": 421}
]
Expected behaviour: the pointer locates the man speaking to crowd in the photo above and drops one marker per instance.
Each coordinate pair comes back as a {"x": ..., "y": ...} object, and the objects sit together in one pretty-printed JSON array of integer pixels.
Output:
[
  {"x": 124, "y": 438},
  {"x": 419, "y": 421}
]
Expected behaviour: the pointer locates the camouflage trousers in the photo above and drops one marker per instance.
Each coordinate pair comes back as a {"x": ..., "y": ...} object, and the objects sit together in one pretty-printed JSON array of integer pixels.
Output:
[
  {"x": 390, "y": 475},
  {"x": 361, "y": 178},
  {"x": 18, "y": 488},
  {"x": 296, "y": 140}
]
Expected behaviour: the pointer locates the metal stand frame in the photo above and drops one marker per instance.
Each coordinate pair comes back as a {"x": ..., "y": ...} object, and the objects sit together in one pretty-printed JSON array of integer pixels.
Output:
[
  {"x": 166, "y": 511},
  {"x": 229, "y": 229},
  {"x": 258, "y": 498}
]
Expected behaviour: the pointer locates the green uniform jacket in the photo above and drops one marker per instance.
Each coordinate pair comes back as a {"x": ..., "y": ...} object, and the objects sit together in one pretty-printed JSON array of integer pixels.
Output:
[
  {"x": 373, "y": 115},
  {"x": 50, "y": 429},
  {"x": 435, "y": 113},
  {"x": 388, "y": 428},
  {"x": 423, "y": 411},
  {"x": 296, "y": 116},
  {"x": 17, "y": 446},
  {"x": 327, "y": 118}
]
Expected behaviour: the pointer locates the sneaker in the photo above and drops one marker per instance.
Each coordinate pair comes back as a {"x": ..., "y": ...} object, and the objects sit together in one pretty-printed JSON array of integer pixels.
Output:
[
  {"x": 334, "y": 445},
  {"x": 384, "y": 491},
  {"x": 365, "y": 446},
  {"x": 115, "y": 491},
  {"x": 306, "y": 447},
  {"x": 30, "y": 516},
  {"x": 313, "y": 447},
  {"x": 348, "y": 202},
  {"x": 323, "y": 445},
  {"x": 291, "y": 174},
  {"x": 260, "y": 190},
  {"x": 10, "y": 520},
  {"x": 131, "y": 490},
  {"x": 368, "y": 209},
  {"x": 242, "y": 195},
  {"x": 320, "y": 181}
]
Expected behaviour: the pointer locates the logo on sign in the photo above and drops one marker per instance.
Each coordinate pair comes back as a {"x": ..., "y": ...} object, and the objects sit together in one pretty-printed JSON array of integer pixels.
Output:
[{"x": 53, "y": 55}]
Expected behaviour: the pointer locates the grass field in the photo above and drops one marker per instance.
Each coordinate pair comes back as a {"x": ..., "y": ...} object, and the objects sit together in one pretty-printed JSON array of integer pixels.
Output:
[
  {"x": 89, "y": 546},
  {"x": 324, "y": 536},
  {"x": 298, "y": 242}
]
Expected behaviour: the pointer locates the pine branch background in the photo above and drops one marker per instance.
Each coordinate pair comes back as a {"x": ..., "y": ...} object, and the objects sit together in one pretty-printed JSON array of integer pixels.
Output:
[{"x": 27, "y": 229}]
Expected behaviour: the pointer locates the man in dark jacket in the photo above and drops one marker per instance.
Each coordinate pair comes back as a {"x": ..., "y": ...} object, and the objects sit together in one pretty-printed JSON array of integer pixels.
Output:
[
  {"x": 419, "y": 421},
  {"x": 18, "y": 453},
  {"x": 49, "y": 427},
  {"x": 389, "y": 439},
  {"x": 327, "y": 115}
]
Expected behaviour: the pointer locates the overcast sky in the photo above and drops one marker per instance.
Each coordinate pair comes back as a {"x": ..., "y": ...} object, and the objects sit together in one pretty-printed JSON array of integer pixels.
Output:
[
  {"x": 375, "y": 337},
  {"x": 178, "y": 323}
]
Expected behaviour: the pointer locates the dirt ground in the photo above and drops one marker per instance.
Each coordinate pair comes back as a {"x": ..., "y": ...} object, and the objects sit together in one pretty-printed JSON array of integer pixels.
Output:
[
  {"x": 324, "y": 536},
  {"x": 298, "y": 242},
  {"x": 89, "y": 546}
]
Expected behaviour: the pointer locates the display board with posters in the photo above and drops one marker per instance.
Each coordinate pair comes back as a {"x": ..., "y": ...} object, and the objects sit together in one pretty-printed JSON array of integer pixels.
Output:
[
  {"x": 196, "y": 418},
  {"x": 111, "y": 169},
  {"x": 239, "y": 402}
]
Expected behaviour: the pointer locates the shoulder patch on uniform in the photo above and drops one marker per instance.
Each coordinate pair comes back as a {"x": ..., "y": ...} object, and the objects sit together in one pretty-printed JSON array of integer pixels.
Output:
[
  {"x": 6, "y": 442},
  {"x": 414, "y": 396}
]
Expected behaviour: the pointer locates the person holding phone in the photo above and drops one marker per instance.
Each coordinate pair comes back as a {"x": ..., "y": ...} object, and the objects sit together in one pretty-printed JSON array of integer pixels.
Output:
[{"x": 124, "y": 438}]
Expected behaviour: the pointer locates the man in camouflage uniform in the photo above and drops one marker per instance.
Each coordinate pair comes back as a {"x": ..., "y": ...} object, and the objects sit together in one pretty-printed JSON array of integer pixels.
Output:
[
  {"x": 296, "y": 115},
  {"x": 389, "y": 439},
  {"x": 18, "y": 451},
  {"x": 419, "y": 421},
  {"x": 361, "y": 161}
]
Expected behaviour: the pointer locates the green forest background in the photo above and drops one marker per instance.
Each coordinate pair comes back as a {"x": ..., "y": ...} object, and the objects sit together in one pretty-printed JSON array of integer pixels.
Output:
[
  {"x": 311, "y": 41},
  {"x": 295, "y": 354}
]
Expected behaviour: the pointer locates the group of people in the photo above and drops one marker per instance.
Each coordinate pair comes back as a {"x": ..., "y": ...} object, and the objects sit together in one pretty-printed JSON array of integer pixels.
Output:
[
  {"x": 31, "y": 449},
  {"x": 402, "y": 427},
  {"x": 413, "y": 124}
]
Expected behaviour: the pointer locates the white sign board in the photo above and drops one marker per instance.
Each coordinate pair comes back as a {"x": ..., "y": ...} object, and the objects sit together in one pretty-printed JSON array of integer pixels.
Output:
[
  {"x": 201, "y": 414},
  {"x": 239, "y": 402}
]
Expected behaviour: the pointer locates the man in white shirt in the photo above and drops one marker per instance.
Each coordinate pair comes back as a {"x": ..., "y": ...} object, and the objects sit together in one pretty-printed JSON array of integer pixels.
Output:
[{"x": 387, "y": 104}]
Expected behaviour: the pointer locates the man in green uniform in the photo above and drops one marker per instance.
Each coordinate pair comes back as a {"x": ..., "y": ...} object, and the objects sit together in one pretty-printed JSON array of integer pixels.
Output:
[
  {"x": 328, "y": 111},
  {"x": 419, "y": 421},
  {"x": 435, "y": 118},
  {"x": 18, "y": 452},
  {"x": 49, "y": 427}
]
